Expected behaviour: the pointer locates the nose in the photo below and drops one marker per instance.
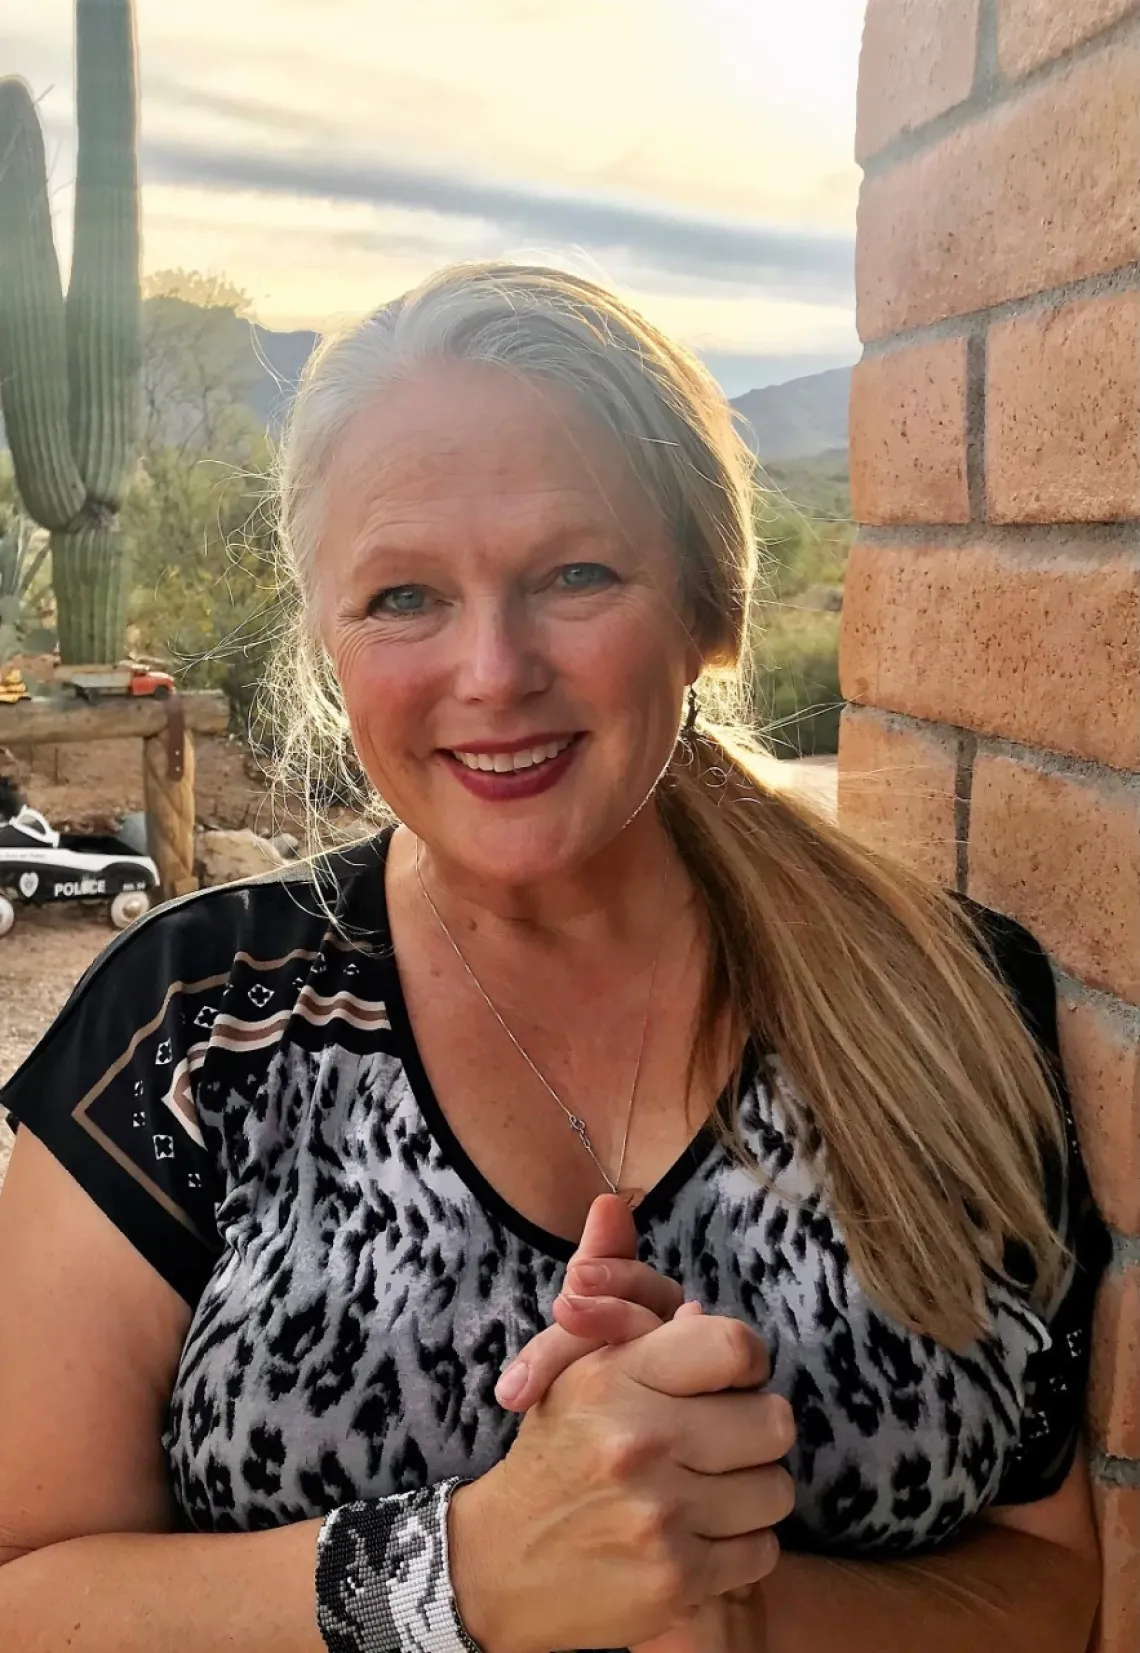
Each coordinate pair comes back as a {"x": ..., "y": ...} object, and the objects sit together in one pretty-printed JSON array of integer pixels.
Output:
[{"x": 500, "y": 660}]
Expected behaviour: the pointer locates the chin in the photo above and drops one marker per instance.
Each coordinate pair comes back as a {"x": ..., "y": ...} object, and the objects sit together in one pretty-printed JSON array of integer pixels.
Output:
[{"x": 544, "y": 845}]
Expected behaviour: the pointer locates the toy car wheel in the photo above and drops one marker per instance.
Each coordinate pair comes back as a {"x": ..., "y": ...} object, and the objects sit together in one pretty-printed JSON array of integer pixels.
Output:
[
  {"x": 127, "y": 906},
  {"x": 7, "y": 915},
  {"x": 161, "y": 693}
]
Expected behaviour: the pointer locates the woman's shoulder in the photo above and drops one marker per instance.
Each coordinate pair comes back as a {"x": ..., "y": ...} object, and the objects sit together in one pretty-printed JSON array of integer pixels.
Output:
[
  {"x": 188, "y": 951},
  {"x": 112, "y": 1087}
]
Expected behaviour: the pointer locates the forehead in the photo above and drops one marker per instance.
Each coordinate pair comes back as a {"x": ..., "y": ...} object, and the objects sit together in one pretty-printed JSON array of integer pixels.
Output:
[{"x": 460, "y": 446}]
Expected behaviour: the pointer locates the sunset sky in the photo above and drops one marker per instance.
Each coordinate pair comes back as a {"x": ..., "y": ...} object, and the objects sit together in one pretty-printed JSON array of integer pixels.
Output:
[{"x": 326, "y": 154}]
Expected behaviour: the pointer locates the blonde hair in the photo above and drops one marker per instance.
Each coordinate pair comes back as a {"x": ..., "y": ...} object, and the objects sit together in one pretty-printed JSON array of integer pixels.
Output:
[{"x": 913, "y": 1070}]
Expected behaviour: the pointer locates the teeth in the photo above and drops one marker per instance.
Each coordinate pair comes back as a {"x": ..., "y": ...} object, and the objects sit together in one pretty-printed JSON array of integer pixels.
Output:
[{"x": 505, "y": 763}]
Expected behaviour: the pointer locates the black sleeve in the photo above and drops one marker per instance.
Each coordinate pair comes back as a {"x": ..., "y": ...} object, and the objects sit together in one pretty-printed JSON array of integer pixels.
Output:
[
  {"x": 109, "y": 1091},
  {"x": 1056, "y": 1378}
]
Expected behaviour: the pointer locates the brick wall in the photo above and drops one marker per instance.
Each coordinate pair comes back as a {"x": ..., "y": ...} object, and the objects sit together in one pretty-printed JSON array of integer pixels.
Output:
[{"x": 991, "y": 638}]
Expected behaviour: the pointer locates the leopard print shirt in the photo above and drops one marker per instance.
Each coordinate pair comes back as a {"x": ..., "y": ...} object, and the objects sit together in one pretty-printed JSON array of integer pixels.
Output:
[{"x": 236, "y": 1084}]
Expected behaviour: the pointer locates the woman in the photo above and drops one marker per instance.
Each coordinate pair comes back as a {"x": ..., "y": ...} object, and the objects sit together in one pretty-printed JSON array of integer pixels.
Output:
[{"x": 305, "y": 1158}]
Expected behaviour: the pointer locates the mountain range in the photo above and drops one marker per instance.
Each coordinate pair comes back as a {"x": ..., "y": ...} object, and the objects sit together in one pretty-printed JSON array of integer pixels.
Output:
[{"x": 802, "y": 418}]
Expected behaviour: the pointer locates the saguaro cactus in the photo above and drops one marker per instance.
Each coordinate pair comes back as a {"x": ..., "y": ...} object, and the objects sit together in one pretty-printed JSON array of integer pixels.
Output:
[{"x": 69, "y": 370}]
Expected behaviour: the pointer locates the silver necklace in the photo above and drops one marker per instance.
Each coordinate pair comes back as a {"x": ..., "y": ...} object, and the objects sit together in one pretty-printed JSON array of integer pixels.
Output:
[{"x": 575, "y": 1122}]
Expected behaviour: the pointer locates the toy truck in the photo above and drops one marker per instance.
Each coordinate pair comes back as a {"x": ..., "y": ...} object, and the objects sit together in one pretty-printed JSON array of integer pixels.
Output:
[{"x": 130, "y": 679}]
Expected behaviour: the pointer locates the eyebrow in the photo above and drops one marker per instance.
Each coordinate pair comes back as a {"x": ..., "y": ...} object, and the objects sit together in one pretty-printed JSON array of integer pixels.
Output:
[{"x": 379, "y": 544}]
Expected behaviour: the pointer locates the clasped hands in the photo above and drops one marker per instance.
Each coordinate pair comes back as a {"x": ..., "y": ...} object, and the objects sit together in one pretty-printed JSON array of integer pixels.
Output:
[{"x": 639, "y": 1498}]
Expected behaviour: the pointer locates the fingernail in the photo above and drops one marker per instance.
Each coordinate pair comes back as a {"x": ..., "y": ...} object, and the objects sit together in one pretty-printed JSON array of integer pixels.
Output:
[
  {"x": 584, "y": 1304},
  {"x": 590, "y": 1275},
  {"x": 512, "y": 1381}
]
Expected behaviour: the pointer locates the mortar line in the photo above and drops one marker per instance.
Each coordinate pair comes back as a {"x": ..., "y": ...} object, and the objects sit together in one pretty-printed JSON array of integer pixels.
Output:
[
  {"x": 1106, "y": 284},
  {"x": 1113, "y": 1471},
  {"x": 976, "y": 423},
  {"x": 963, "y": 792},
  {"x": 1125, "y": 1017},
  {"x": 1079, "y": 539},
  {"x": 1125, "y": 1252},
  {"x": 991, "y": 90},
  {"x": 987, "y": 73}
]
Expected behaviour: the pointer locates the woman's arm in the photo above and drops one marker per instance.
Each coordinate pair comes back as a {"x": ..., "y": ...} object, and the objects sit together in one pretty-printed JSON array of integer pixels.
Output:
[
  {"x": 89, "y": 1342},
  {"x": 1026, "y": 1580}
]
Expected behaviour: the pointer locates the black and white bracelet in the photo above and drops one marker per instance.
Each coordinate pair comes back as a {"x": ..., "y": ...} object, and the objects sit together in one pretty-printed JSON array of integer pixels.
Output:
[{"x": 383, "y": 1576}]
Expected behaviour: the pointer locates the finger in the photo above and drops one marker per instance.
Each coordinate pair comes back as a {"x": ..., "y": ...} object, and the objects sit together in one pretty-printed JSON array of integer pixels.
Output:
[
  {"x": 580, "y": 1328},
  {"x": 744, "y": 1501},
  {"x": 698, "y": 1355},
  {"x": 610, "y": 1230},
  {"x": 728, "y": 1431},
  {"x": 604, "y": 1319},
  {"x": 622, "y": 1277},
  {"x": 732, "y": 1564}
]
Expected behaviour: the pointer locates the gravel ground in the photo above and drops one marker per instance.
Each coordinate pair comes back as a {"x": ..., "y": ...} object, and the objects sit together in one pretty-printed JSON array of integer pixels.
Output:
[{"x": 41, "y": 959}]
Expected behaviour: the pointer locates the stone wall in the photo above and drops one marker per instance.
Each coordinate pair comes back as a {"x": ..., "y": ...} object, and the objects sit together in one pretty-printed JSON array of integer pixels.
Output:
[{"x": 991, "y": 642}]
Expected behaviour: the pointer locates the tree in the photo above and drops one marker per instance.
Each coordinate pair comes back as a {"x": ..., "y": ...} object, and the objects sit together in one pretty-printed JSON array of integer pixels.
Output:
[
  {"x": 794, "y": 647},
  {"x": 198, "y": 365},
  {"x": 205, "y": 594}
]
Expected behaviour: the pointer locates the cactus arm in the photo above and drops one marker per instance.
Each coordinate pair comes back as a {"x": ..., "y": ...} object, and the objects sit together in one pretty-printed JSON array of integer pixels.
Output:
[
  {"x": 104, "y": 303},
  {"x": 33, "y": 349}
]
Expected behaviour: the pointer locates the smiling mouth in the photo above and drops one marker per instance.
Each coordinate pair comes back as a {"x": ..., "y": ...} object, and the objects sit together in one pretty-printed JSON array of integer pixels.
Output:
[{"x": 509, "y": 763}]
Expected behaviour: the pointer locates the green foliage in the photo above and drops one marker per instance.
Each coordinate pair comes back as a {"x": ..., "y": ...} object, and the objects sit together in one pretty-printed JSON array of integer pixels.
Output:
[
  {"x": 795, "y": 633},
  {"x": 196, "y": 518},
  {"x": 205, "y": 596},
  {"x": 69, "y": 370},
  {"x": 198, "y": 365},
  {"x": 795, "y": 661},
  {"x": 24, "y": 598},
  {"x": 819, "y": 487}
]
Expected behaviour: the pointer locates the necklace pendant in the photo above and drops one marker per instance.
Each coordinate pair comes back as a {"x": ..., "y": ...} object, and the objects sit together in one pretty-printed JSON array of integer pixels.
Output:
[{"x": 632, "y": 1196}]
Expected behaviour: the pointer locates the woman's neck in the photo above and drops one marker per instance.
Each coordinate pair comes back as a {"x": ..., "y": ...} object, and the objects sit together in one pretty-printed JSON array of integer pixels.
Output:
[{"x": 615, "y": 897}]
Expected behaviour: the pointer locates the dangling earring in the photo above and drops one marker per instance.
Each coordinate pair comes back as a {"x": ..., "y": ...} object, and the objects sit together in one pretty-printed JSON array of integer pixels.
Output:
[{"x": 693, "y": 712}]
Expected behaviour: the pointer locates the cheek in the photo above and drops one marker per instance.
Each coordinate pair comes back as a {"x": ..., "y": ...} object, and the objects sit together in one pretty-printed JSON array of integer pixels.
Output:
[
  {"x": 636, "y": 661},
  {"x": 385, "y": 692}
]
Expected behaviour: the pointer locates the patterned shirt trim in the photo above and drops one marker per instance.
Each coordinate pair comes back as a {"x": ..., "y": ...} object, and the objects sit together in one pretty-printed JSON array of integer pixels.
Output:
[{"x": 82, "y": 1111}]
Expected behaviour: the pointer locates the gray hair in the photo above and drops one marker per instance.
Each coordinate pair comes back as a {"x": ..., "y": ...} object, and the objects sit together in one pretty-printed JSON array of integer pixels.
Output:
[{"x": 661, "y": 405}]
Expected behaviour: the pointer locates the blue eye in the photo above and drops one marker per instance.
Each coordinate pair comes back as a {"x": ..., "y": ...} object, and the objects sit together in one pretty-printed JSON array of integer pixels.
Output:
[
  {"x": 585, "y": 576},
  {"x": 400, "y": 599}
]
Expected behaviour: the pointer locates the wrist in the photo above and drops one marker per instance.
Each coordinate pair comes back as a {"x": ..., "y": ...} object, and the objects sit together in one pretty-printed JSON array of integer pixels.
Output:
[
  {"x": 484, "y": 1562},
  {"x": 383, "y": 1580}
]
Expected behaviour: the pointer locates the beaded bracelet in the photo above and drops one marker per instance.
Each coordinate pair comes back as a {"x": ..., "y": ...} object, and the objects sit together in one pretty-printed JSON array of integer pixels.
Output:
[{"x": 383, "y": 1576}]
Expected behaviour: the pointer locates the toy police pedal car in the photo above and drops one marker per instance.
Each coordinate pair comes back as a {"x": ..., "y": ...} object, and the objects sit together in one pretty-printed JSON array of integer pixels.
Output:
[{"x": 39, "y": 865}]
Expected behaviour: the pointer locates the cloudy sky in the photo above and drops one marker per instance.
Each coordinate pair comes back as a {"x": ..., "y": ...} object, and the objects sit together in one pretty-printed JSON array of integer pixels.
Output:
[{"x": 326, "y": 154}]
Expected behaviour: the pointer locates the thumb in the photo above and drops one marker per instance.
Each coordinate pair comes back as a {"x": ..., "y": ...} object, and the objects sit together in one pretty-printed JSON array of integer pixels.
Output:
[{"x": 610, "y": 1230}]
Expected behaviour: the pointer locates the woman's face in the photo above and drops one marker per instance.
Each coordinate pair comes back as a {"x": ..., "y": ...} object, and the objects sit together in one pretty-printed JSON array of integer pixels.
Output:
[{"x": 499, "y": 598}]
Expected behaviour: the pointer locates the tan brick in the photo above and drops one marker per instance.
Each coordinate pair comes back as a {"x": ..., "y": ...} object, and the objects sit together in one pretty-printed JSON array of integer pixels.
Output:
[
  {"x": 1114, "y": 1377},
  {"x": 1118, "y": 1518},
  {"x": 1061, "y": 853},
  {"x": 1063, "y": 414},
  {"x": 908, "y": 435},
  {"x": 897, "y": 790},
  {"x": 1038, "y": 646},
  {"x": 1032, "y": 32},
  {"x": 1040, "y": 191},
  {"x": 1101, "y": 1053},
  {"x": 917, "y": 62}
]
